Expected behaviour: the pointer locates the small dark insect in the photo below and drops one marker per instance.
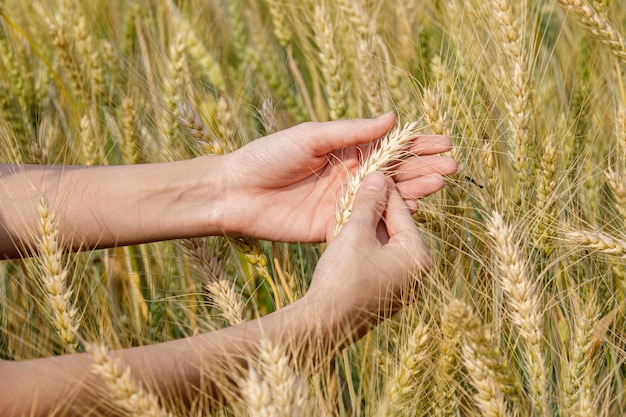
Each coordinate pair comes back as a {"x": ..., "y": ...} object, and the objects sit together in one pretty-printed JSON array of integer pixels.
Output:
[{"x": 470, "y": 179}]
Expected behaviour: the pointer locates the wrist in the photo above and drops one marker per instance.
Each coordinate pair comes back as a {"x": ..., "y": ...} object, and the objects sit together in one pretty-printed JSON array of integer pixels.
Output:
[
  {"x": 339, "y": 318},
  {"x": 202, "y": 202}
]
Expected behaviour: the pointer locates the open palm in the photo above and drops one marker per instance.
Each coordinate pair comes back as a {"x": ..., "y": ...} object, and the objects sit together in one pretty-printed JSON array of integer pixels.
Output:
[{"x": 285, "y": 186}]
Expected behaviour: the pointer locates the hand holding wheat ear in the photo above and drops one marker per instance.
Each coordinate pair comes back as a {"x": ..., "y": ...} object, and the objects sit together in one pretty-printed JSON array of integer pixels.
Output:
[
  {"x": 372, "y": 271},
  {"x": 291, "y": 179}
]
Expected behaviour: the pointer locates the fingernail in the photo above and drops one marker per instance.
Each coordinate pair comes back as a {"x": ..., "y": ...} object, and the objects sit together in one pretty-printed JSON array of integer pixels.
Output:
[
  {"x": 374, "y": 181},
  {"x": 382, "y": 116}
]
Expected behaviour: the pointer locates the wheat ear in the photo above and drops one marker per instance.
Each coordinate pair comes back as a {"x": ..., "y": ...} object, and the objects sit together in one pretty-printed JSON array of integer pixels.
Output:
[
  {"x": 579, "y": 369},
  {"x": 88, "y": 131},
  {"x": 190, "y": 119},
  {"x": 125, "y": 392},
  {"x": 257, "y": 395},
  {"x": 481, "y": 360},
  {"x": 597, "y": 241},
  {"x": 390, "y": 149},
  {"x": 405, "y": 380},
  {"x": 617, "y": 184},
  {"x": 524, "y": 305},
  {"x": 445, "y": 392},
  {"x": 253, "y": 252},
  {"x": 597, "y": 25},
  {"x": 546, "y": 188},
  {"x": 279, "y": 19},
  {"x": 510, "y": 37},
  {"x": 54, "y": 278},
  {"x": 250, "y": 248},
  {"x": 131, "y": 143},
  {"x": 268, "y": 116},
  {"x": 620, "y": 133},
  {"x": 370, "y": 83},
  {"x": 221, "y": 288},
  {"x": 289, "y": 395},
  {"x": 357, "y": 16},
  {"x": 86, "y": 47},
  {"x": 209, "y": 66},
  {"x": 329, "y": 63}
]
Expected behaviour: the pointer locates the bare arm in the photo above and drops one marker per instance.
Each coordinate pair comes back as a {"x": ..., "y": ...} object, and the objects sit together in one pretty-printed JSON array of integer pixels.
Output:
[
  {"x": 359, "y": 281},
  {"x": 281, "y": 187},
  {"x": 67, "y": 385},
  {"x": 111, "y": 205}
]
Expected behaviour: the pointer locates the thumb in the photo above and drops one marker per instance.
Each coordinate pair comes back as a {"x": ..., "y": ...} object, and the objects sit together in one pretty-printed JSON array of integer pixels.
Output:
[{"x": 369, "y": 204}]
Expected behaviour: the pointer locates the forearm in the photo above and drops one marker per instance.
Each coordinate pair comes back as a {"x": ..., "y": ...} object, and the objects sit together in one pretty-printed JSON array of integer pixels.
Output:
[
  {"x": 177, "y": 370},
  {"x": 111, "y": 205}
]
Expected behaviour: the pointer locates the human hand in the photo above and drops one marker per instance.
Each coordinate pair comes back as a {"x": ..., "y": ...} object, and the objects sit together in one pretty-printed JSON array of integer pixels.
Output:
[
  {"x": 285, "y": 186},
  {"x": 375, "y": 262}
]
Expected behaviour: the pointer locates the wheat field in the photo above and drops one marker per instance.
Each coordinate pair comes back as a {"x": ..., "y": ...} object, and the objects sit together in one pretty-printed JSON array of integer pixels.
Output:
[{"x": 523, "y": 311}]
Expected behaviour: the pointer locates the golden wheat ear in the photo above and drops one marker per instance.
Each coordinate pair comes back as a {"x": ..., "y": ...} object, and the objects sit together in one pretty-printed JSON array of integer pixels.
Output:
[
  {"x": 390, "y": 149},
  {"x": 55, "y": 278}
]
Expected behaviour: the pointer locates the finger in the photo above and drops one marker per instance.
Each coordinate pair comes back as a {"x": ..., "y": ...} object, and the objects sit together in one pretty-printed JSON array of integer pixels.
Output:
[
  {"x": 411, "y": 204},
  {"x": 402, "y": 231},
  {"x": 422, "y": 145},
  {"x": 367, "y": 209},
  {"x": 329, "y": 136},
  {"x": 431, "y": 144},
  {"x": 398, "y": 218},
  {"x": 421, "y": 187},
  {"x": 425, "y": 165}
]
